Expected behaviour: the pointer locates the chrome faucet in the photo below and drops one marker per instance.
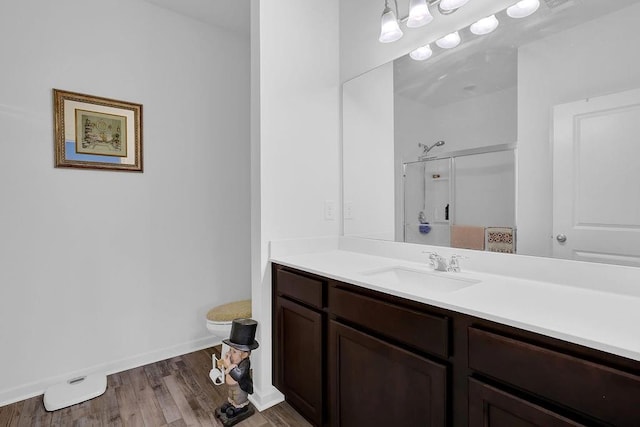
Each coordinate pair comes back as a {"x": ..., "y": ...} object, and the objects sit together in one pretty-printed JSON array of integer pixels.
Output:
[{"x": 439, "y": 263}]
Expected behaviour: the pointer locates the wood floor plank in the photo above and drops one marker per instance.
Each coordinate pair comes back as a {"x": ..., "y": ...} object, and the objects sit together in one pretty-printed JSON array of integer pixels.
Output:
[
  {"x": 284, "y": 415},
  {"x": 165, "y": 401},
  {"x": 108, "y": 407},
  {"x": 202, "y": 404},
  {"x": 62, "y": 417},
  {"x": 7, "y": 413},
  {"x": 40, "y": 417},
  {"x": 179, "y": 397},
  {"x": 27, "y": 412},
  {"x": 128, "y": 403},
  {"x": 151, "y": 411},
  {"x": 176, "y": 392},
  {"x": 83, "y": 415}
]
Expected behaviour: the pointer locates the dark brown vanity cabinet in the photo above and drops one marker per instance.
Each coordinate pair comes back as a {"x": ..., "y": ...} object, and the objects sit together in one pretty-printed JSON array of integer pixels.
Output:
[
  {"x": 376, "y": 361},
  {"x": 348, "y": 356},
  {"x": 298, "y": 338},
  {"x": 395, "y": 386},
  {"x": 491, "y": 407},
  {"x": 583, "y": 384}
]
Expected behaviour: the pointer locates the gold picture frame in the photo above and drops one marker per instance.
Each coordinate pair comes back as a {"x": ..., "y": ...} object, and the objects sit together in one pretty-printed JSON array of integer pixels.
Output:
[{"x": 92, "y": 132}]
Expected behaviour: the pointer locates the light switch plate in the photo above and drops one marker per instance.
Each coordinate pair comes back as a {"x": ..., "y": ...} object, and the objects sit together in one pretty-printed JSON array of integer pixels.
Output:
[
  {"x": 348, "y": 209},
  {"x": 329, "y": 210}
]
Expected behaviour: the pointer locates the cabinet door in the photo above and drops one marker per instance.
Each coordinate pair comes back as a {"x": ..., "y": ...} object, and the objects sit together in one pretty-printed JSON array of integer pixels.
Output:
[
  {"x": 491, "y": 407},
  {"x": 299, "y": 358},
  {"x": 373, "y": 383}
]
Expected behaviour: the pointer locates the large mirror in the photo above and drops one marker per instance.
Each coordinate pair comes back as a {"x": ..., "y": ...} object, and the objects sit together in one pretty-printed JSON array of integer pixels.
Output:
[{"x": 531, "y": 132}]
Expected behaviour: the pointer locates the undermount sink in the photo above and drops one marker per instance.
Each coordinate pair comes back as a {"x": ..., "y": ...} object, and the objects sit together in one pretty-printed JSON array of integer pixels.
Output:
[{"x": 415, "y": 281}]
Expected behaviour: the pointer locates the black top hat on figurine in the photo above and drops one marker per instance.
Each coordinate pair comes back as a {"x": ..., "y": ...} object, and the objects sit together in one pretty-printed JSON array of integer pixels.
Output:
[{"x": 243, "y": 335}]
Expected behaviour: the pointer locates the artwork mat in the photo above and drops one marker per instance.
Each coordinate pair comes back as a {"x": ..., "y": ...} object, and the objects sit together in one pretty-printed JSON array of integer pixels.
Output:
[{"x": 65, "y": 105}]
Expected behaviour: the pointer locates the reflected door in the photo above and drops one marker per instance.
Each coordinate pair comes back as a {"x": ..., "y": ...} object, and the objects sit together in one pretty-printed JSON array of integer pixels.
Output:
[{"x": 596, "y": 183}]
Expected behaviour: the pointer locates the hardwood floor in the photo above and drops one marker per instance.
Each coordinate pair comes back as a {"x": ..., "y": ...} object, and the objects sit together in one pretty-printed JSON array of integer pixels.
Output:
[{"x": 173, "y": 392}]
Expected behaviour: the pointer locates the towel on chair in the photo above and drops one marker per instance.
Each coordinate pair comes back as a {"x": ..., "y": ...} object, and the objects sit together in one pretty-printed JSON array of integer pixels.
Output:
[
  {"x": 500, "y": 239},
  {"x": 467, "y": 237}
]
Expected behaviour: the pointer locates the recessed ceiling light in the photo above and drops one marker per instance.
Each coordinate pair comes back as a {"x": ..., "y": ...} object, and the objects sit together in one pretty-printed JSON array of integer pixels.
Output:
[
  {"x": 449, "y": 41},
  {"x": 421, "y": 53},
  {"x": 523, "y": 8},
  {"x": 451, "y": 4},
  {"x": 484, "y": 25}
]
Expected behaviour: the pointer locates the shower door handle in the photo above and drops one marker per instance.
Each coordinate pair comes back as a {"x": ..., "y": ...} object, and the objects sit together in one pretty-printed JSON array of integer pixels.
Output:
[{"x": 561, "y": 238}]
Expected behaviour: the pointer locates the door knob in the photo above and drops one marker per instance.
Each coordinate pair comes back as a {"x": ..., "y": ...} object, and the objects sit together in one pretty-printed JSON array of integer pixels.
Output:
[{"x": 561, "y": 238}]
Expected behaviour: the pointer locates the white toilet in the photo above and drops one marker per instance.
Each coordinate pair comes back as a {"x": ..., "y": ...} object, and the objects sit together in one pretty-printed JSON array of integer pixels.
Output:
[{"x": 219, "y": 318}]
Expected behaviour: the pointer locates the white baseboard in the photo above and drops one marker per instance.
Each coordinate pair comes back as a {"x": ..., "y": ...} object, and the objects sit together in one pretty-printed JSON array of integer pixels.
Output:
[
  {"x": 37, "y": 388},
  {"x": 265, "y": 399}
]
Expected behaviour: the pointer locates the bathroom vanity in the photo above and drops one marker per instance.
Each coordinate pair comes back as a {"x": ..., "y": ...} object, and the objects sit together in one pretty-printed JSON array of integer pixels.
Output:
[{"x": 348, "y": 352}]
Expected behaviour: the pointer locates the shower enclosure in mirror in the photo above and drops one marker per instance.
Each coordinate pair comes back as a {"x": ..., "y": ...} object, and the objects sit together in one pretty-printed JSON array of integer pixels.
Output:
[
  {"x": 561, "y": 86},
  {"x": 467, "y": 196}
]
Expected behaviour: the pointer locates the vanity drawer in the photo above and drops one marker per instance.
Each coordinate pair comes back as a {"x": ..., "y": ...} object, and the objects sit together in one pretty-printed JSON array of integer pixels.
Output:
[
  {"x": 605, "y": 393},
  {"x": 423, "y": 331},
  {"x": 298, "y": 287}
]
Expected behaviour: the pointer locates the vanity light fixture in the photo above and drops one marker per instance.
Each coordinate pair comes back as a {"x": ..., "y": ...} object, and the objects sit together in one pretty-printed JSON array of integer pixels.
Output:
[
  {"x": 449, "y": 41},
  {"x": 419, "y": 14},
  {"x": 523, "y": 8},
  {"x": 484, "y": 25},
  {"x": 451, "y": 5},
  {"x": 389, "y": 28},
  {"x": 421, "y": 53}
]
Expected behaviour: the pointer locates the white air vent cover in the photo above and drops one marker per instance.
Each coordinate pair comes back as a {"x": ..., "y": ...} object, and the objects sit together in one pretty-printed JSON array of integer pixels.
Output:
[{"x": 74, "y": 391}]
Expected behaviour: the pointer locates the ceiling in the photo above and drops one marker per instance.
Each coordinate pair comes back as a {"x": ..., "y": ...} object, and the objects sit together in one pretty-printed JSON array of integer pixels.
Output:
[
  {"x": 486, "y": 64},
  {"x": 232, "y": 15}
]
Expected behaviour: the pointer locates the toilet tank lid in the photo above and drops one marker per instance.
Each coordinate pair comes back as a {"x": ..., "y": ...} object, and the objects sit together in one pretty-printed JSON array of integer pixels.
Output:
[{"x": 228, "y": 312}]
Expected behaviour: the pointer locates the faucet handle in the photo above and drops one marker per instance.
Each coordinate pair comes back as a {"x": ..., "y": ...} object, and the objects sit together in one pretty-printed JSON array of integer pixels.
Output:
[
  {"x": 438, "y": 262},
  {"x": 454, "y": 264},
  {"x": 433, "y": 255}
]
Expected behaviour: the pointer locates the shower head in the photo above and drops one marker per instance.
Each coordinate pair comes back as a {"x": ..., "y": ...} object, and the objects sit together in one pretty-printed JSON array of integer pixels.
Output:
[{"x": 428, "y": 148}]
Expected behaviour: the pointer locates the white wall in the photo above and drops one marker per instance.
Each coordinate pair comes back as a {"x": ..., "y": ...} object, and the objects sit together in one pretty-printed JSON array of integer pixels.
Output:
[
  {"x": 485, "y": 190},
  {"x": 295, "y": 144},
  {"x": 477, "y": 122},
  {"x": 368, "y": 154},
  {"x": 593, "y": 59},
  {"x": 109, "y": 270}
]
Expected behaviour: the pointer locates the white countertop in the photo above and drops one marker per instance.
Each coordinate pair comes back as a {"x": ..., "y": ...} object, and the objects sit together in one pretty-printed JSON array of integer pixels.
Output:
[{"x": 602, "y": 320}]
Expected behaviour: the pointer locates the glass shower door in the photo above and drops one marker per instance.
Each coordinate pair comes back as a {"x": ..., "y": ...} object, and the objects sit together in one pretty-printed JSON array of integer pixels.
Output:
[{"x": 427, "y": 202}]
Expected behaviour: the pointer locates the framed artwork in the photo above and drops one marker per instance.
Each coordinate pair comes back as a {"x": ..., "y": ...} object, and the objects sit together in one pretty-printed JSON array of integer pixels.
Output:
[{"x": 97, "y": 133}]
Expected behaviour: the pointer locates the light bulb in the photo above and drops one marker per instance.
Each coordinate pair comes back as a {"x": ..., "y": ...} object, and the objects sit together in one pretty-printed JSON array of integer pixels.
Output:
[
  {"x": 389, "y": 29},
  {"x": 421, "y": 53},
  {"x": 449, "y": 41},
  {"x": 452, "y": 4},
  {"x": 523, "y": 8},
  {"x": 419, "y": 14},
  {"x": 484, "y": 25}
]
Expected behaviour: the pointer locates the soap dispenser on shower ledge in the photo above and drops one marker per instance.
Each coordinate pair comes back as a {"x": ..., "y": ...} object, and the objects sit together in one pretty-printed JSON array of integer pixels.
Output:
[{"x": 423, "y": 226}]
